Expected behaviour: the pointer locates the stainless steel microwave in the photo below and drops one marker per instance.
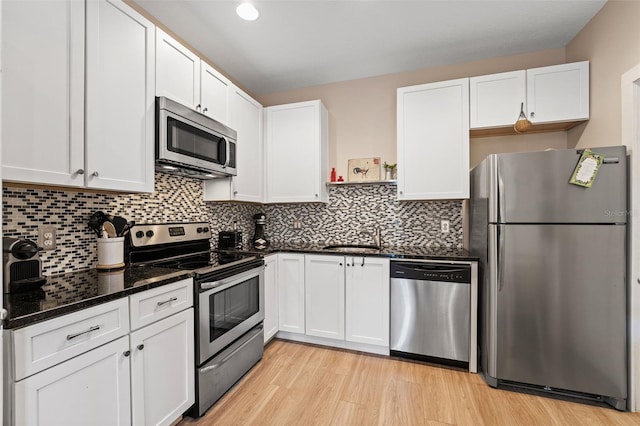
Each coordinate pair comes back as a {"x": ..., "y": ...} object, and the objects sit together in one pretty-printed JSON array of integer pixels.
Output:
[{"x": 191, "y": 144}]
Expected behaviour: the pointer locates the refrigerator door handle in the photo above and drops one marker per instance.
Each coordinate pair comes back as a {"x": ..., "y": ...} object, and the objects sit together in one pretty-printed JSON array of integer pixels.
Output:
[
  {"x": 500, "y": 192},
  {"x": 500, "y": 258},
  {"x": 491, "y": 294}
]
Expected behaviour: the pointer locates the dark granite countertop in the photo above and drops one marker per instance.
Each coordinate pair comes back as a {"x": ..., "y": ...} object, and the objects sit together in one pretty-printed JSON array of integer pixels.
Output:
[
  {"x": 66, "y": 293},
  {"x": 394, "y": 252}
]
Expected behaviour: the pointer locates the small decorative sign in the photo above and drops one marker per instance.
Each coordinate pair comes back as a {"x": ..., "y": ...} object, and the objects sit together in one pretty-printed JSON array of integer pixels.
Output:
[
  {"x": 364, "y": 169},
  {"x": 587, "y": 168}
]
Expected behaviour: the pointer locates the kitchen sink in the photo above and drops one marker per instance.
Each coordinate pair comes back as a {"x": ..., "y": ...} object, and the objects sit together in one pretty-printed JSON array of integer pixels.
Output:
[{"x": 353, "y": 248}]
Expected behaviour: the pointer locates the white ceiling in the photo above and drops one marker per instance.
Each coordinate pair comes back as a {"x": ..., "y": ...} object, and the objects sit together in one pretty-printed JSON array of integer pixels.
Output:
[{"x": 300, "y": 43}]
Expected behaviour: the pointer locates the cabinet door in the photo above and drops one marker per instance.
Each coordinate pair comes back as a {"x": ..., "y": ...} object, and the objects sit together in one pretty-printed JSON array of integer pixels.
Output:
[
  {"x": 177, "y": 71},
  {"x": 324, "y": 296},
  {"x": 495, "y": 99},
  {"x": 215, "y": 93},
  {"x": 558, "y": 93},
  {"x": 296, "y": 148},
  {"x": 291, "y": 292},
  {"x": 43, "y": 92},
  {"x": 162, "y": 370},
  {"x": 91, "y": 389},
  {"x": 367, "y": 300},
  {"x": 270, "y": 296},
  {"x": 120, "y": 98},
  {"x": 246, "y": 119},
  {"x": 433, "y": 141}
]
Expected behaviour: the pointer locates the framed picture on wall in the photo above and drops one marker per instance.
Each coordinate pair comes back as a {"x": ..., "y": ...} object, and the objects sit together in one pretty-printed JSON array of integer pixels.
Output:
[{"x": 364, "y": 169}]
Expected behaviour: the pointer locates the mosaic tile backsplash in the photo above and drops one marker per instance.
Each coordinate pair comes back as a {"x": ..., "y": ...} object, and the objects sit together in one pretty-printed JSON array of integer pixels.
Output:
[{"x": 179, "y": 199}]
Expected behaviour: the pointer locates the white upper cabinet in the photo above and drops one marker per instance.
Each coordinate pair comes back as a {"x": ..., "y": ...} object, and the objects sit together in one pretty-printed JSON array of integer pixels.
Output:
[
  {"x": 495, "y": 99},
  {"x": 177, "y": 71},
  {"x": 296, "y": 152},
  {"x": 433, "y": 141},
  {"x": 46, "y": 138},
  {"x": 555, "y": 94},
  {"x": 43, "y": 92},
  {"x": 120, "y": 98},
  {"x": 248, "y": 185},
  {"x": 558, "y": 93},
  {"x": 215, "y": 94},
  {"x": 182, "y": 76}
]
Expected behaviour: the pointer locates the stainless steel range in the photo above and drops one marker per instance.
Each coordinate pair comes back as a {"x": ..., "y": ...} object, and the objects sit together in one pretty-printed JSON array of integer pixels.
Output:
[{"x": 229, "y": 302}]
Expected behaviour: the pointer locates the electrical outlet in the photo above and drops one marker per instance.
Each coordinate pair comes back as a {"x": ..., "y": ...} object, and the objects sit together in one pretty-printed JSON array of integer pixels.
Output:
[
  {"x": 47, "y": 237},
  {"x": 444, "y": 226},
  {"x": 297, "y": 224}
]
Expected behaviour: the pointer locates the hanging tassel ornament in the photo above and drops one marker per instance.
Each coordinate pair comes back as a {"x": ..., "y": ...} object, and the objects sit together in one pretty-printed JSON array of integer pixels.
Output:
[{"x": 522, "y": 124}]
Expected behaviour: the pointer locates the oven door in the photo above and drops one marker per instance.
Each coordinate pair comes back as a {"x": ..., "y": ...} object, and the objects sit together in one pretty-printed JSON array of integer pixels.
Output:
[{"x": 228, "y": 308}]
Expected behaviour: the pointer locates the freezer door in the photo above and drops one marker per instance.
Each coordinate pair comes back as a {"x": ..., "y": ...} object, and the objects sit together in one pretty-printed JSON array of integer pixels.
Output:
[
  {"x": 534, "y": 187},
  {"x": 561, "y": 307}
]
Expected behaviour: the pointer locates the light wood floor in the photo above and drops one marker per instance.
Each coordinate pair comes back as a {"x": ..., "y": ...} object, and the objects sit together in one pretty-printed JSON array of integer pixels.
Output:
[{"x": 297, "y": 384}]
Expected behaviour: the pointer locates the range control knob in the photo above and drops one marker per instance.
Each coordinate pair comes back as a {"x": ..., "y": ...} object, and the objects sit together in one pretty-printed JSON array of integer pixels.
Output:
[
  {"x": 139, "y": 234},
  {"x": 205, "y": 229},
  {"x": 200, "y": 230},
  {"x": 149, "y": 233}
]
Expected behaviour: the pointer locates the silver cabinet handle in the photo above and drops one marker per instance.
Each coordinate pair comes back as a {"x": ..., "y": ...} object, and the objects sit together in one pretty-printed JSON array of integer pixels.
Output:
[
  {"x": 316, "y": 195},
  {"x": 533, "y": 114},
  {"x": 80, "y": 171},
  {"x": 341, "y": 264},
  {"x": 198, "y": 106},
  {"x": 173, "y": 299},
  {"x": 73, "y": 336},
  {"x": 205, "y": 110},
  {"x": 95, "y": 174},
  {"x": 362, "y": 264},
  {"x": 126, "y": 353},
  {"x": 140, "y": 347}
]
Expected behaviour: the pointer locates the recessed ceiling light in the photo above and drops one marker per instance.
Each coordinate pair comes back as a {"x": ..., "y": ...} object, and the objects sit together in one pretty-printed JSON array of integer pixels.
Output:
[{"x": 247, "y": 11}]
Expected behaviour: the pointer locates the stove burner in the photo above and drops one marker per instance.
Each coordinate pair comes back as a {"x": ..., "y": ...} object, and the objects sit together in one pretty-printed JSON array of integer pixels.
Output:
[{"x": 193, "y": 265}]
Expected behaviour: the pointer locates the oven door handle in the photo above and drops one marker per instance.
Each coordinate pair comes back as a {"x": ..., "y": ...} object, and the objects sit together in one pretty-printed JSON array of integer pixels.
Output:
[
  {"x": 213, "y": 284},
  {"x": 232, "y": 280}
]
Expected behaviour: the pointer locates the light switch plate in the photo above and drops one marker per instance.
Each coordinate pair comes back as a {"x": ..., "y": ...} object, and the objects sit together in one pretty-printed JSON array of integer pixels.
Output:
[{"x": 444, "y": 226}]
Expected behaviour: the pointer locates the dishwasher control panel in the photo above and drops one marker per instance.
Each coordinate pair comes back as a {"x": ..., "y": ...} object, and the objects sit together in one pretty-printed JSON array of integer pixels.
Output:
[{"x": 444, "y": 272}]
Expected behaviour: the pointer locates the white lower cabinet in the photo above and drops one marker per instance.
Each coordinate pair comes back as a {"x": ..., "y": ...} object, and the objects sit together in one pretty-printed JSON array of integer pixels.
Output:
[
  {"x": 324, "y": 296},
  {"x": 145, "y": 377},
  {"x": 346, "y": 302},
  {"x": 291, "y": 292},
  {"x": 91, "y": 389},
  {"x": 270, "y": 296},
  {"x": 162, "y": 370},
  {"x": 367, "y": 300}
]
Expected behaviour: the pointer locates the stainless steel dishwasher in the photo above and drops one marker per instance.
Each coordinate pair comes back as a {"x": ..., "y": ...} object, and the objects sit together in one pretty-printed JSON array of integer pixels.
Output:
[{"x": 430, "y": 310}]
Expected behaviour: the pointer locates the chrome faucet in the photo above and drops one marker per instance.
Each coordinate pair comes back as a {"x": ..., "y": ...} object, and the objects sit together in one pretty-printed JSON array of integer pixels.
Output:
[{"x": 376, "y": 234}]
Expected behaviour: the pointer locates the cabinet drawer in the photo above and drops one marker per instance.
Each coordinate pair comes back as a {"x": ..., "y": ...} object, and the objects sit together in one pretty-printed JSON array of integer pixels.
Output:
[
  {"x": 48, "y": 343},
  {"x": 153, "y": 305}
]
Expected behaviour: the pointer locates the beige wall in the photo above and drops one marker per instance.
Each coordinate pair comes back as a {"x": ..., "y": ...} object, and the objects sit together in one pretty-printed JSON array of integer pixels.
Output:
[
  {"x": 611, "y": 42},
  {"x": 362, "y": 113}
]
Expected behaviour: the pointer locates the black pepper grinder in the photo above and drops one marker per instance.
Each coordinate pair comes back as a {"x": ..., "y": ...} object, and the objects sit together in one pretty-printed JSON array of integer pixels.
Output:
[{"x": 260, "y": 241}]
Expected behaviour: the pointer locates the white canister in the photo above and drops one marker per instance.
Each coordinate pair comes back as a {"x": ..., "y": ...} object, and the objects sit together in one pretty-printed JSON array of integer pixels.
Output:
[{"x": 110, "y": 253}]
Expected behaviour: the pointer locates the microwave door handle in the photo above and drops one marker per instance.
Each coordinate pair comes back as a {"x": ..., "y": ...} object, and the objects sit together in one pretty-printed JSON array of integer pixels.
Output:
[{"x": 226, "y": 152}]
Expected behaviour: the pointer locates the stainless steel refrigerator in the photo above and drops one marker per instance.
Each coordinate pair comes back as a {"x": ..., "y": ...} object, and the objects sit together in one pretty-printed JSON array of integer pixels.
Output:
[{"x": 553, "y": 296}]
